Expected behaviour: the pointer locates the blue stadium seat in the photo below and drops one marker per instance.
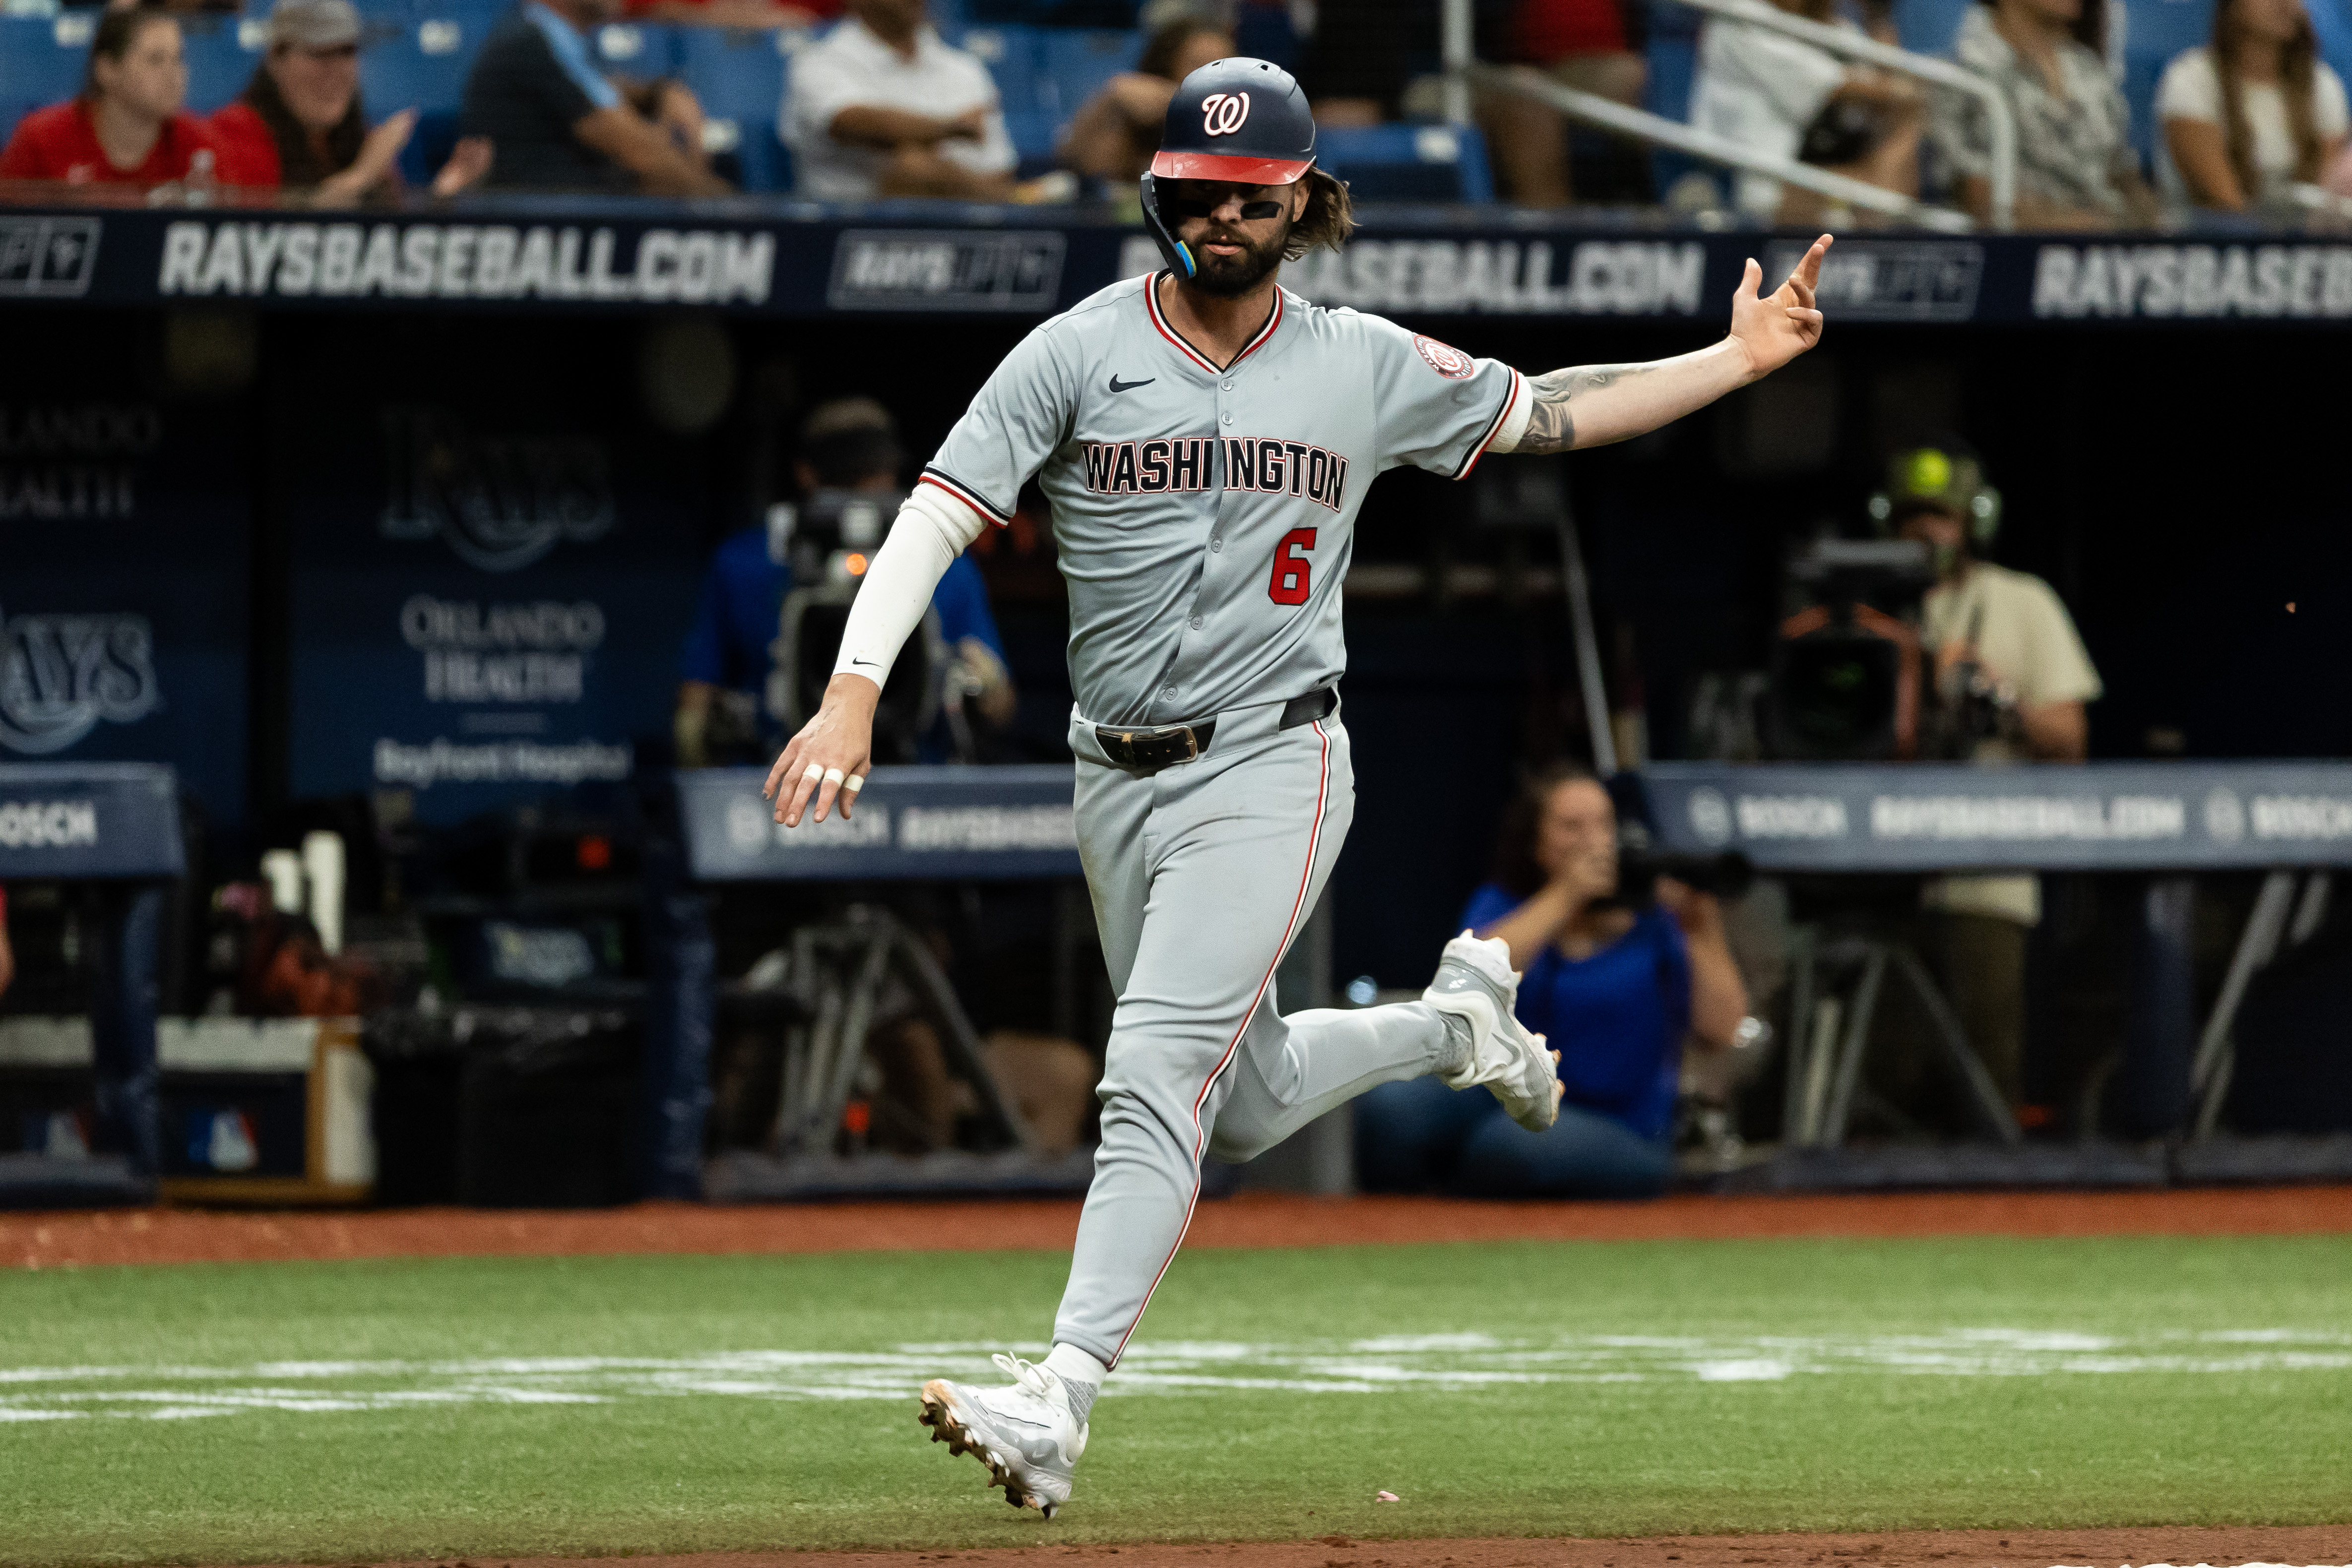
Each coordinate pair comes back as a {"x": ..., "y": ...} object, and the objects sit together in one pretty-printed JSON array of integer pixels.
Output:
[
  {"x": 740, "y": 78},
  {"x": 221, "y": 52},
  {"x": 1015, "y": 58},
  {"x": 1408, "y": 162},
  {"x": 1673, "y": 55},
  {"x": 2332, "y": 20},
  {"x": 1078, "y": 61},
  {"x": 423, "y": 65},
  {"x": 41, "y": 62},
  {"x": 1928, "y": 26},
  {"x": 639, "y": 50},
  {"x": 2155, "y": 31}
]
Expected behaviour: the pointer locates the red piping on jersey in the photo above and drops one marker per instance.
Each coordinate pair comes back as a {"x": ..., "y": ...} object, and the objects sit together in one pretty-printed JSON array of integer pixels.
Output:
[
  {"x": 1199, "y": 1133},
  {"x": 1151, "y": 303},
  {"x": 1494, "y": 429},
  {"x": 987, "y": 514}
]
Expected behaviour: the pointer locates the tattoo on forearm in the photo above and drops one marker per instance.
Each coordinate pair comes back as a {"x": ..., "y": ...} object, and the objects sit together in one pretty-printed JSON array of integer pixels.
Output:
[{"x": 1551, "y": 425}]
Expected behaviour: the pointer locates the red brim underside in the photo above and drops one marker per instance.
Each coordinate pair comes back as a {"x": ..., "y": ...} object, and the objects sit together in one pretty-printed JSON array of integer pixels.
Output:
[{"x": 1235, "y": 170}]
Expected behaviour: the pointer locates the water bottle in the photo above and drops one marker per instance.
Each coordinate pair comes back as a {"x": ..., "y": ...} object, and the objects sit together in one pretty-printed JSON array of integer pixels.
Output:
[{"x": 201, "y": 183}]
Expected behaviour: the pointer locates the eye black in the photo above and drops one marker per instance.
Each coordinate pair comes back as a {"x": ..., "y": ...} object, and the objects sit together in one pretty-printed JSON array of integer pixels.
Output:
[{"x": 1251, "y": 211}]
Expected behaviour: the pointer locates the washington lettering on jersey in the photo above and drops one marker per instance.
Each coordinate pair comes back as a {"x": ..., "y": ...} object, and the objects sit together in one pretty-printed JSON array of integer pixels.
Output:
[{"x": 1251, "y": 462}]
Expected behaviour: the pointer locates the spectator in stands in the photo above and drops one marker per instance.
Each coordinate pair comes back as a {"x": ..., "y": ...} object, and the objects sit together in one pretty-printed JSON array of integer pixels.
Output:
[
  {"x": 1616, "y": 988},
  {"x": 848, "y": 444},
  {"x": 298, "y": 124},
  {"x": 882, "y": 107},
  {"x": 2076, "y": 168},
  {"x": 129, "y": 125},
  {"x": 1356, "y": 64},
  {"x": 1784, "y": 95},
  {"x": 555, "y": 123},
  {"x": 1580, "y": 44},
  {"x": 1113, "y": 136},
  {"x": 2006, "y": 635},
  {"x": 2254, "y": 112}
]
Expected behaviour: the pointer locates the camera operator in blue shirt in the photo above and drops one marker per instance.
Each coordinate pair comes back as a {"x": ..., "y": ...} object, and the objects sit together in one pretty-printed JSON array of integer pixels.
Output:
[
  {"x": 848, "y": 445},
  {"x": 1615, "y": 986}
]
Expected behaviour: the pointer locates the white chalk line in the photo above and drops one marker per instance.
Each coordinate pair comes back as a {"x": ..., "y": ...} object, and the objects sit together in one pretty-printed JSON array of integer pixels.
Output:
[{"x": 1386, "y": 1364}]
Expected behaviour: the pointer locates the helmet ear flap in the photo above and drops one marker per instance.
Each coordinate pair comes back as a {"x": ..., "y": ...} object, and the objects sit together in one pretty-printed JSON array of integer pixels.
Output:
[{"x": 1174, "y": 251}]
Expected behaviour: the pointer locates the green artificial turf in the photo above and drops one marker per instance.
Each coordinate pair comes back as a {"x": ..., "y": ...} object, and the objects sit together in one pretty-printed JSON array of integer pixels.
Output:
[{"x": 481, "y": 1407}]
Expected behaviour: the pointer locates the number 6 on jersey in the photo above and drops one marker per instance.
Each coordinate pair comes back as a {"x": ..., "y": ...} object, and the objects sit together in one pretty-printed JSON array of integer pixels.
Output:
[{"x": 1290, "y": 568}]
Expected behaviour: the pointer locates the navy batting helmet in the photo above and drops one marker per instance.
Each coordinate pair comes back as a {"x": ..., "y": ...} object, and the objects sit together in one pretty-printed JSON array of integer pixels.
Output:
[{"x": 1241, "y": 121}]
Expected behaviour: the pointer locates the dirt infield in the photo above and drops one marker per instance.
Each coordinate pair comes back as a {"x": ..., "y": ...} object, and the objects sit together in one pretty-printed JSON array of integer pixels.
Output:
[
  {"x": 2153, "y": 1545},
  {"x": 191, "y": 1236}
]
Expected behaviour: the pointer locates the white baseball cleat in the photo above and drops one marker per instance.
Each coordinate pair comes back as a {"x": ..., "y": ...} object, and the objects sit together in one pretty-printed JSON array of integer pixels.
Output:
[
  {"x": 1476, "y": 981},
  {"x": 1026, "y": 1433}
]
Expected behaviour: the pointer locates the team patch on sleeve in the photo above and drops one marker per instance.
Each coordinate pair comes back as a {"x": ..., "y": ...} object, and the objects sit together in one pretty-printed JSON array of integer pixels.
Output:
[{"x": 1445, "y": 359}]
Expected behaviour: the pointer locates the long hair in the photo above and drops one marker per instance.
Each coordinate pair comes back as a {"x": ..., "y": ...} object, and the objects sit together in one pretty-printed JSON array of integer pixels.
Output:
[
  {"x": 1329, "y": 219},
  {"x": 117, "y": 33},
  {"x": 2296, "y": 67},
  {"x": 298, "y": 164},
  {"x": 1514, "y": 843},
  {"x": 1158, "y": 57}
]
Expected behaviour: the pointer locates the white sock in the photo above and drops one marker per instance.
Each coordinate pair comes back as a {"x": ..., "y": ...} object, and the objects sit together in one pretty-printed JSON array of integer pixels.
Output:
[{"x": 1081, "y": 1374}]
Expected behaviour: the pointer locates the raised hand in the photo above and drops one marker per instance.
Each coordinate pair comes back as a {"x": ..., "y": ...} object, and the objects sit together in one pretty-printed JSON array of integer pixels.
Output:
[{"x": 1778, "y": 326}]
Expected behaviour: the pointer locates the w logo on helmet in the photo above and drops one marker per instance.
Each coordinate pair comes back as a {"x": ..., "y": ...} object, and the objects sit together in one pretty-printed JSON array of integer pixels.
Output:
[{"x": 1221, "y": 113}]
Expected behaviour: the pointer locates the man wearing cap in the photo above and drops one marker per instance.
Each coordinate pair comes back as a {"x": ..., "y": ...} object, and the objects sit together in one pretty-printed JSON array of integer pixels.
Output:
[
  {"x": 555, "y": 123},
  {"x": 299, "y": 123},
  {"x": 2005, "y": 650},
  {"x": 1204, "y": 440}
]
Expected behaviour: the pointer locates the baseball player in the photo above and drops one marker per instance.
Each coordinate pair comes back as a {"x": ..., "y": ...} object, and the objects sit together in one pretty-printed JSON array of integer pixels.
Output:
[{"x": 1205, "y": 440}]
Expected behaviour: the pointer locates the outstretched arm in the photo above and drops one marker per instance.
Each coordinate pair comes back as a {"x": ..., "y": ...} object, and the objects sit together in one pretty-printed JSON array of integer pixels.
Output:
[{"x": 1592, "y": 405}]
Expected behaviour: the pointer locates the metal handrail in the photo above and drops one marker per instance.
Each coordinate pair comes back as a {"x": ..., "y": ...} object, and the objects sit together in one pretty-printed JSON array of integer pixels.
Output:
[
  {"x": 2002, "y": 121},
  {"x": 1642, "y": 125}
]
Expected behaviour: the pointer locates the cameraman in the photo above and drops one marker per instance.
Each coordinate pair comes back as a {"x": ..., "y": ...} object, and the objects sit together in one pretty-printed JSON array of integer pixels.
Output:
[
  {"x": 1616, "y": 987},
  {"x": 2012, "y": 676},
  {"x": 848, "y": 444}
]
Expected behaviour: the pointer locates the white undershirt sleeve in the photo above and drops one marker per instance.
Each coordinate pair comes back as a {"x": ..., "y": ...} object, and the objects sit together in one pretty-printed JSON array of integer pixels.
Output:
[
  {"x": 931, "y": 530},
  {"x": 1515, "y": 423}
]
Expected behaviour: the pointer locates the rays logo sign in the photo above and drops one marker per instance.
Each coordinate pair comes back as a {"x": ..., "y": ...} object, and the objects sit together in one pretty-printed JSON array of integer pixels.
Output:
[
  {"x": 1223, "y": 113},
  {"x": 60, "y": 675}
]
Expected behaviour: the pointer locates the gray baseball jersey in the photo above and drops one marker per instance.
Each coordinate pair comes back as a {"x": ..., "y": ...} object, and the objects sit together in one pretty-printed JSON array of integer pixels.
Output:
[{"x": 1204, "y": 517}]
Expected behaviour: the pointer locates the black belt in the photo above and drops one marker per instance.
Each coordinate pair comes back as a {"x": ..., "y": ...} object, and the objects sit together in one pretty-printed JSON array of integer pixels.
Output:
[{"x": 1164, "y": 744}]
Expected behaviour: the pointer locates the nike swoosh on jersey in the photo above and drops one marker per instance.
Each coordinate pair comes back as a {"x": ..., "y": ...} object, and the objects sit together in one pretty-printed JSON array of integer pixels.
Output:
[{"x": 1119, "y": 386}]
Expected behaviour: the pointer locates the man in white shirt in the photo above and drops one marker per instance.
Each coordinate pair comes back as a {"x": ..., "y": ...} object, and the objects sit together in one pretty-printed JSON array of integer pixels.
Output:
[
  {"x": 2009, "y": 633},
  {"x": 883, "y": 106}
]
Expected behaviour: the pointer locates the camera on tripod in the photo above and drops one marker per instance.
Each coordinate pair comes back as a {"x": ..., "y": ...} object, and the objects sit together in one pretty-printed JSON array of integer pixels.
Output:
[
  {"x": 1849, "y": 679},
  {"x": 829, "y": 542}
]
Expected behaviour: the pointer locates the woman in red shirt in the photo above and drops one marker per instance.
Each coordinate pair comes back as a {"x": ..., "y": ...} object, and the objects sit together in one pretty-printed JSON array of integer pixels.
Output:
[
  {"x": 299, "y": 123},
  {"x": 127, "y": 126}
]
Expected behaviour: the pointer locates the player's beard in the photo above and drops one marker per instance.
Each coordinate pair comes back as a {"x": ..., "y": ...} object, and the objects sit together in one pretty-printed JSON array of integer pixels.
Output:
[{"x": 1231, "y": 277}]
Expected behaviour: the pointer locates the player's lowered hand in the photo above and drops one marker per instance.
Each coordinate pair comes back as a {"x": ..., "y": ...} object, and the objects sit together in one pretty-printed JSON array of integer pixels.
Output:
[
  {"x": 832, "y": 748},
  {"x": 1778, "y": 326}
]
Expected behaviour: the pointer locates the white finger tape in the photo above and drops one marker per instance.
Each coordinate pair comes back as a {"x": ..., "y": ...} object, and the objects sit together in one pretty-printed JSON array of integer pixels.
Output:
[
  {"x": 814, "y": 773},
  {"x": 833, "y": 776},
  {"x": 854, "y": 783}
]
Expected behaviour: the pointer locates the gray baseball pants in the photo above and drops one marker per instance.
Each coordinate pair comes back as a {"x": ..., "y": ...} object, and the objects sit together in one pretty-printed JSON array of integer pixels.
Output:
[{"x": 1201, "y": 874}]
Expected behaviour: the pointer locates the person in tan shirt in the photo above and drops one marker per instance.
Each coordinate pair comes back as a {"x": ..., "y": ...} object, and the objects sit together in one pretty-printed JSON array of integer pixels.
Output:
[{"x": 2005, "y": 635}]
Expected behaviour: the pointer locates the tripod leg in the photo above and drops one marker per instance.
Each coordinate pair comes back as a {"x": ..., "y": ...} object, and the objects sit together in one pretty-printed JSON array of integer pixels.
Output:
[
  {"x": 873, "y": 960},
  {"x": 1857, "y": 1040},
  {"x": 1955, "y": 1042},
  {"x": 1820, "y": 1061},
  {"x": 957, "y": 1034},
  {"x": 1796, "y": 1125}
]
